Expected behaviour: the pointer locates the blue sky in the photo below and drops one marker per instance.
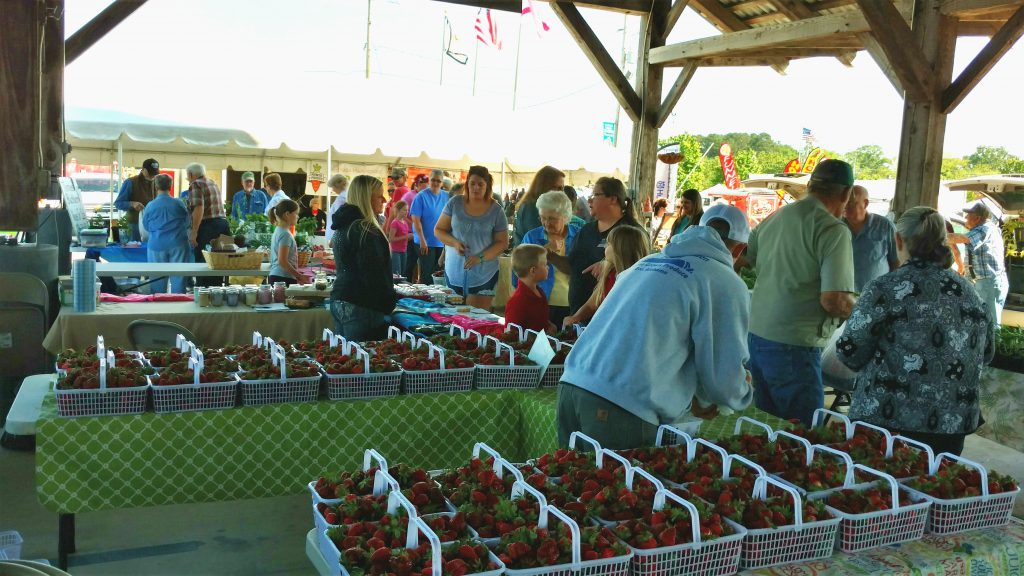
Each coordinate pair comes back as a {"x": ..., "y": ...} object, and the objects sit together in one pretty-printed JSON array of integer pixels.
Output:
[{"x": 292, "y": 71}]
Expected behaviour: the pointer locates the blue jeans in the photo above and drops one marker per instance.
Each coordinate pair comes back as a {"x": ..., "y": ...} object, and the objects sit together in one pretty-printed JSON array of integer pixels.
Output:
[
  {"x": 181, "y": 254},
  {"x": 787, "y": 379},
  {"x": 993, "y": 295},
  {"x": 398, "y": 263},
  {"x": 357, "y": 323}
]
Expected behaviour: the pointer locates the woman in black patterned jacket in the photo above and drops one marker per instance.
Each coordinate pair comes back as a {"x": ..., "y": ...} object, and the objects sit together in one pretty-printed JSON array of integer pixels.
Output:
[{"x": 919, "y": 337}]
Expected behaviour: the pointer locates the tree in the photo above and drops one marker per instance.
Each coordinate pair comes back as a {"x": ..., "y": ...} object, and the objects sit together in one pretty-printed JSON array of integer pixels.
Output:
[
  {"x": 870, "y": 163},
  {"x": 990, "y": 158}
]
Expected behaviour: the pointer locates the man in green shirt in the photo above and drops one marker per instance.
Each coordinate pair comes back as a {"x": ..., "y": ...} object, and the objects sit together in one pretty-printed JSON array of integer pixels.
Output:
[{"x": 805, "y": 282}]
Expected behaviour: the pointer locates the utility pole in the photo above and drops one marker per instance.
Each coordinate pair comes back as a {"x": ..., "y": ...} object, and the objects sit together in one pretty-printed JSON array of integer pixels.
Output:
[
  {"x": 622, "y": 66},
  {"x": 515, "y": 81},
  {"x": 444, "y": 30},
  {"x": 369, "y": 6}
]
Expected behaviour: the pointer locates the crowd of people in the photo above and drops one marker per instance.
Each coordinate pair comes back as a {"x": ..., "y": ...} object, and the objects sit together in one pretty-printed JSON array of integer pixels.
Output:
[{"x": 672, "y": 332}]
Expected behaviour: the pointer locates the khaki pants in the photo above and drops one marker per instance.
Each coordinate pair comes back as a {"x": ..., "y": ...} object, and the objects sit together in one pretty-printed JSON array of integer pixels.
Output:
[{"x": 612, "y": 427}]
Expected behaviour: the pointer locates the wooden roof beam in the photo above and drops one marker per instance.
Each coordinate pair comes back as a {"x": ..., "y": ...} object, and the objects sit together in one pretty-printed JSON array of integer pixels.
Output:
[
  {"x": 959, "y": 7},
  {"x": 878, "y": 55},
  {"x": 903, "y": 53},
  {"x": 787, "y": 33},
  {"x": 674, "y": 93},
  {"x": 793, "y": 9},
  {"x": 634, "y": 7},
  {"x": 98, "y": 27},
  {"x": 718, "y": 15},
  {"x": 778, "y": 64},
  {"x": 999, "y": 45},
  {"x": 599, "y": 57},
  {"x": 672, "y": 17}
]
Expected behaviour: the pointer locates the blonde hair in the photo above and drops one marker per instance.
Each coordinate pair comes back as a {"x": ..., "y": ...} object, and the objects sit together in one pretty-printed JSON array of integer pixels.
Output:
[
  {"x": 629, "y": 244},
  {"x": 360, "y": 193},
  {"x": 398, "y": 207},
  {"x": 526, "y": 256},
  {"x": 272, "y": 181}
]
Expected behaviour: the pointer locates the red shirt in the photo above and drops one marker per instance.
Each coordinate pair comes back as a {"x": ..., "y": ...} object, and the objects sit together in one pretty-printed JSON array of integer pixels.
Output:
[{"x": 528, "y": 309}]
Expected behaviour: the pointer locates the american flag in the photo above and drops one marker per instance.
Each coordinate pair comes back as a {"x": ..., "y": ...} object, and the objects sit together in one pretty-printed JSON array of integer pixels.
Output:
[
  {"x": 539, "y": 24},
  {"x": 487, "y": 29},
  {"x": 807, "y": 135}
]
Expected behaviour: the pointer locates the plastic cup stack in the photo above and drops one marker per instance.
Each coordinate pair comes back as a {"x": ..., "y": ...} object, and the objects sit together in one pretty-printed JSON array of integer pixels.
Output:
[{"x": 83, "y": 278}]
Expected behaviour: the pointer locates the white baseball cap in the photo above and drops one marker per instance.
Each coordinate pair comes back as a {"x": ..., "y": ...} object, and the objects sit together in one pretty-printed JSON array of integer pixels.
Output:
[{"x": 739, "y": 228}]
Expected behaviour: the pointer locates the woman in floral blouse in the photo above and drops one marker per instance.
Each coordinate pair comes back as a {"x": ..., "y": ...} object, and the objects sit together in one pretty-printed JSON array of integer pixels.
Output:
[{"x": 919, "y": 337}]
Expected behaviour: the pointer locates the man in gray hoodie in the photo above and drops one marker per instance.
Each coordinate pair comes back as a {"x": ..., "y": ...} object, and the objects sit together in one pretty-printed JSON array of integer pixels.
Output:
[{"x": 639, "y": 364}]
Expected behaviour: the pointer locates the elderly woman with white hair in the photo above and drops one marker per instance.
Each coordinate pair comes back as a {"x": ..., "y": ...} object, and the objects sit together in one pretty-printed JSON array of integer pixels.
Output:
[
  {"x": 557, "y": 233},
  {"x": 425, "y": 211},
  {"x": 206, "y": 205},
  {"x": 920, "y": 337},
  {"x": 338, "y": 185}
]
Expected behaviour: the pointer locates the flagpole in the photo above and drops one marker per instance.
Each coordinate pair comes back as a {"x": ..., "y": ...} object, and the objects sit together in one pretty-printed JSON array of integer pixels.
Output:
[
  {"x": 369, "y": 5},
  {"x": 476, "y": 58},
  {"x": 519, "y": 45},
  {"x": 444, "y": 29}
]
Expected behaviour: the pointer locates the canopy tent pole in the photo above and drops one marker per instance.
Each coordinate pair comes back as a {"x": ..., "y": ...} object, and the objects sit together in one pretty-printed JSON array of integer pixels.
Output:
[
  {"x": 115, "y": 181},
  {"x": 328, "y": 203}
]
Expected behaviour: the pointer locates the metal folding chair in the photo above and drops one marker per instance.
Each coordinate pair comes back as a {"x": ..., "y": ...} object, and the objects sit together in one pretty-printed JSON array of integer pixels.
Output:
[{"x": 155, "y": 334}]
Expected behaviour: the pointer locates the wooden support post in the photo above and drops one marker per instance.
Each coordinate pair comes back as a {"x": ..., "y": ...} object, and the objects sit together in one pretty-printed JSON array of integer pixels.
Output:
[
  {"x": 924, "y": 124},
  {"x": 999, "y": 45},
  {"x": 599, "y": 57},
  {"x": 674, "y": 93},
  {"x": 644, "y": 151},
  {"x": 99, "y": 26},
  {"x": 51, "y": 123},
  {"x": 19, "y": 131},
  {"x": 672, "y": 17}
]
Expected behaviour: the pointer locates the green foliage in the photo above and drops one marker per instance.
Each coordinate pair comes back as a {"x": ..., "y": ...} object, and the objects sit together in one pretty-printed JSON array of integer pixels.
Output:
[
  {"x": 870, "y": 163},
  {"x": 753, "y": 153},
  {"x": 306, "y": 225},
  {"x": 1010, "y": 342}
]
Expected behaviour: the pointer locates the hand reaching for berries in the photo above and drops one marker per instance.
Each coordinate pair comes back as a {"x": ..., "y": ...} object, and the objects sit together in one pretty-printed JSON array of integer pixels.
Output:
[{"x": 708, "y": 412}]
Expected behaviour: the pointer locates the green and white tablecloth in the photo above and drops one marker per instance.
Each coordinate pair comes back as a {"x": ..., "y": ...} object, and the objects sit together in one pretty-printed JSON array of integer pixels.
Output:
[
  {"x": 111, "y": 462},
  {"x": 993, "y": 552},
  {"x": 1002, "y": 405}
]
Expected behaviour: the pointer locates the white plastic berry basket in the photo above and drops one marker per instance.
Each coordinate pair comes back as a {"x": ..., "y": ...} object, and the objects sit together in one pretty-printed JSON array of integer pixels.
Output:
[
  {"x": 395, "y": 499},
  {"x": 360, "y": 386},
  {"x": 369, "y": 456},
  {"x": 615, "y": 566},
  {"x": 901, "y": 523},
  {"x": 196, "y": 396},
  {"x": 552, "y": 375},
  {"x": 511, "y": 377},
  {"x": 798, "y": 542},
  {"x": 102, "y": 401},
  {"x": 279, "y": 390},
  {"x": 719, "y": 557},
  {"x": 519, "y": 490},
  {"x": 631, "y": 474},
  {"x": 10, "y": 545},
  {"x": 969, "y": 513},
  {"x": 383, "y": 483},
  {"x": 441, "y": 380},
  {"x": 597, "y": 451},
  {"x": 809, "y": 451}
]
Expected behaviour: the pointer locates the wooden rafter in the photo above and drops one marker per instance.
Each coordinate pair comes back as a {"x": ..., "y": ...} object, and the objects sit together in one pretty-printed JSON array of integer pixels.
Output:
[
  {"x": 785, "y": 34},
  {"x": 749, "y": 5},
  {"x": 634, "y": 7},
  {"x": 778, "y": 64},
  {"x": 720, "y": 16},
  {"x": 673, "y": 16},
  {"x": 1003, "y": 40},
  {"x": 896, "y": 40},
  {"x": 599, "y": 57},
  {"x": 674, "y": 93},
  {"x": 878, "y": 55},
  {"x": 832, "y": 4},
  {"x": 793, "y": 9},
  {"x": 98, "y": 27},
  {"x": 962, "y": 7},
  {"x": 763, "y": 19}
]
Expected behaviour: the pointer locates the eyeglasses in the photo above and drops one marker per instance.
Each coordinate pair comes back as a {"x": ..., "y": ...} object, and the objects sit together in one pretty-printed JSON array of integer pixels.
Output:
[{"x": 436, "y": 181}]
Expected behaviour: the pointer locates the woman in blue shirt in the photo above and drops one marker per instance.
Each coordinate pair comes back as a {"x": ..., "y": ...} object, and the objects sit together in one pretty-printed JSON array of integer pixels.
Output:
[
  {"x": 474, "y": 226},
  {"x": 557, "y": 233},
  {"x": 167, "y": 221}
]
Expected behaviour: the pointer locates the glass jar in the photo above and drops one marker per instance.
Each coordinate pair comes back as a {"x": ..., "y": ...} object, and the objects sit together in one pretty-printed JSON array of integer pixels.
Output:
[
  {"x": 279, "y": 292},
  {"x": 231, "y": 297},
  {"x": 203, "y": 297},
  {"x": 216, "y": 297},
  {"x": 250, "y": 296},
  {"x": 321, "y": 281},
  {"x": 265, "y": 294}
]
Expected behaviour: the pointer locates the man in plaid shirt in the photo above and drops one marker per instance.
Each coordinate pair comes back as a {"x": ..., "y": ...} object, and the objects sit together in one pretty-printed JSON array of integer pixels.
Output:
[
  {"x": 985, "y": 255},
  {"x": 208, "y": 217}
]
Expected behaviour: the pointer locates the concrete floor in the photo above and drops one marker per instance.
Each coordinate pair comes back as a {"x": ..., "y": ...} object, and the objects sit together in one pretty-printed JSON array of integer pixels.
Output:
[{"x": 254, "y": 537}]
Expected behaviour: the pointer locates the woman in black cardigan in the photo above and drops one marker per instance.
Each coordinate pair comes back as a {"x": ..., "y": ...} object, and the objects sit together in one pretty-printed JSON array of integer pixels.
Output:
[{"x": 364, "y": 293}]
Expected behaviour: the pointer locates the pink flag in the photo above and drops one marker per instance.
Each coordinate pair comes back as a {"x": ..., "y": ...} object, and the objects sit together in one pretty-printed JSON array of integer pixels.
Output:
[
  {"x": 538, "y": 23},
  {"x": 487, "y": 29}
]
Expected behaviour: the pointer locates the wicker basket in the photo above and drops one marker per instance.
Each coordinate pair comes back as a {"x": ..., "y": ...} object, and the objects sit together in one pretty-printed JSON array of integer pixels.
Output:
[
  {"x": 304, "y": 259},
  {"x": 233, "y": 260}
]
